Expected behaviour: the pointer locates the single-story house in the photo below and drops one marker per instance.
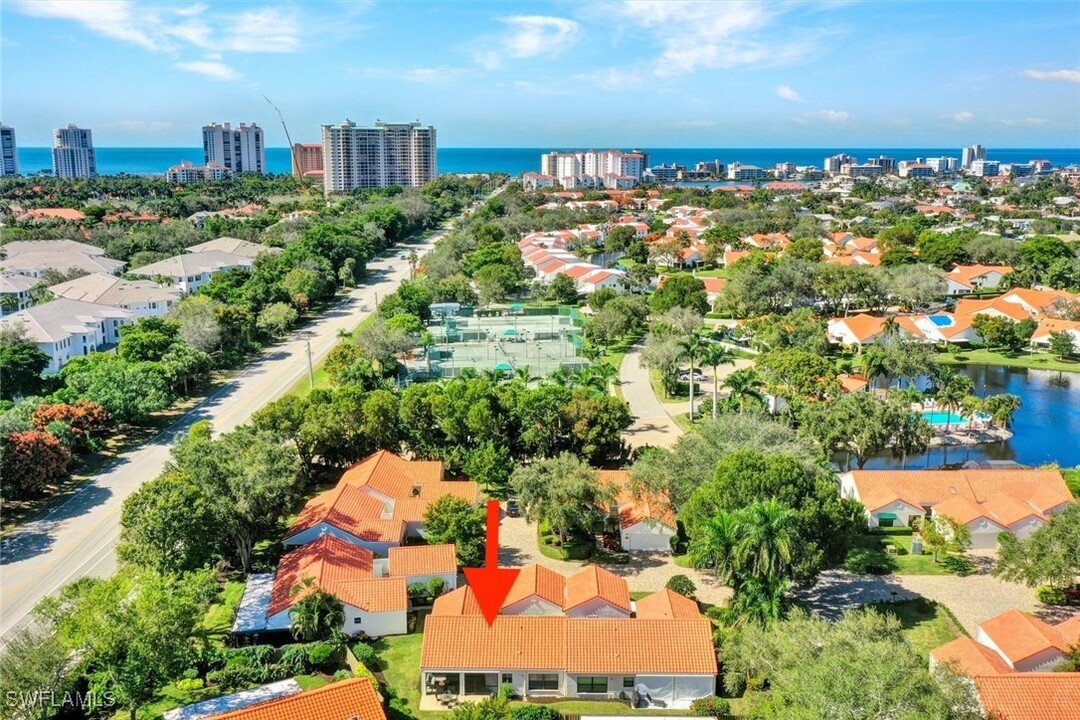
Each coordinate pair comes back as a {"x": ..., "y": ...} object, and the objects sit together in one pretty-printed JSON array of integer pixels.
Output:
[
  {"x": 646, "y": 521},
  {"x": 965, "y": 279},
  {"x": 1010, "y": 662},
  {"x": 378, "y": 502},
  {"x": 1048, "y": 326},
  {"x": 662, "y": 657},
  {"x": 989, "y": 502},
  {"x": 374, "y": 591}
]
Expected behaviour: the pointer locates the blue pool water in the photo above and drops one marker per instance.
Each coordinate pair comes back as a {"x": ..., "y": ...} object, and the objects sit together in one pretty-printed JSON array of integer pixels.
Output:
[
  {"x": 942, "y": 417},
  {"x": 941, "y": 320}
]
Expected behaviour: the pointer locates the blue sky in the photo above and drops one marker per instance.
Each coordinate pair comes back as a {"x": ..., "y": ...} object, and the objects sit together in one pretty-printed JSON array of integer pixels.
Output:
[{"x": 528, "y": 74}]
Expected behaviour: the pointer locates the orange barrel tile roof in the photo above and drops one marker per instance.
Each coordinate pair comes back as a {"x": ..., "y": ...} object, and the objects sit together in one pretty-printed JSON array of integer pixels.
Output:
[
  {"x": 667, "y": 604},
  {"x": 595, "y": 582},
  {"x": 354, "y": 699},
  {"x": 1031, "y": 696},
  {"x": 423, "y": 559}
]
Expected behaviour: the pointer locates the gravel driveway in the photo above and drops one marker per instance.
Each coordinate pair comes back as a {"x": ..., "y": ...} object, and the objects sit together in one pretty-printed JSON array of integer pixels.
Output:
[{"x": 645, "y": 571}]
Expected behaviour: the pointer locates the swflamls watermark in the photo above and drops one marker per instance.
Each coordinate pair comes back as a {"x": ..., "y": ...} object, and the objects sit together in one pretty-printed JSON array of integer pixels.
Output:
[{"x": 46, "y": 697}]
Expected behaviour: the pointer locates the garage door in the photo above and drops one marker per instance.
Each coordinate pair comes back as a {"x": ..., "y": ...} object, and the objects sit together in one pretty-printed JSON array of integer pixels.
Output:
[
  {"x": 983, "y": 540},
  {"x": 648, "y": 541}
]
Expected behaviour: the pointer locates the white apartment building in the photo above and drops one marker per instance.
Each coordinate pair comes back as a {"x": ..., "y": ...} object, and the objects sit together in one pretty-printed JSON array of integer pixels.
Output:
[
  {"x": 189, "y": 172},
  {"x": 942, "y": 165},
  {"x": 63, "y": 328},
  {"x": 240, "y": 149},
  {"x": 833, "y": 163},
  {"x": 9, "y": 152},
  {"x": 738, "y": 171},
  {"x": 15, "y": 292},
  {"x": 855, "y": 170},
  {"x": 915, "y": 169},
  {"x": 143, "y": 298},
  {"x": 970, "y": 154},
  {"x": 985, "y": 168},
  {"x": 73, "y": 153},
  {"x": 192, "y": 270},
  {"x": 592, "y": 168},
  {"x": 373, "y": 157}
]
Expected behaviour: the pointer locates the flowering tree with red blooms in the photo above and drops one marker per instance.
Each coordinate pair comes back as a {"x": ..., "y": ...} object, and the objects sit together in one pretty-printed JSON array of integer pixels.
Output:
[
  {"x": 28, "y": 461},
  {"x": 84, "y": 417}
]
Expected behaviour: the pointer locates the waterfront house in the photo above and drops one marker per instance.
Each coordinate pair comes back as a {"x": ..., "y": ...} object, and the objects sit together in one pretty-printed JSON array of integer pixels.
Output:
[{"x": 988, "y": 502}]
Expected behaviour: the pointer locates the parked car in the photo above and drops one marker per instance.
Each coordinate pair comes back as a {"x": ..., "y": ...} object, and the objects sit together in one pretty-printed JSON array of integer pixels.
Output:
[
  {"x": 512, "y": 508},
  {"x": 698, "y": 375}
]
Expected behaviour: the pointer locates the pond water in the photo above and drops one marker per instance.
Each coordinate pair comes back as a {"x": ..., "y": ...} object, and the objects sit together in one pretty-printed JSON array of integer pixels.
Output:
[{"x": 1046, "y": 428}]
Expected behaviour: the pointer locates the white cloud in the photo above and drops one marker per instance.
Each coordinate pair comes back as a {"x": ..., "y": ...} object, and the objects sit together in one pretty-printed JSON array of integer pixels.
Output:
[
  {"x": 209, "y": 68},
  {"x": 697, "y": 34},
  {"x": 170, "y": 28},
  {"x": 1072, "y": 76},
  {"x": 823, "y": 116},
  {"x": 612, "y": 78},
  {"x": 787, "y": 93},
  {"x": 530, "y": 36},
  {"x": 962, "y": 117}
]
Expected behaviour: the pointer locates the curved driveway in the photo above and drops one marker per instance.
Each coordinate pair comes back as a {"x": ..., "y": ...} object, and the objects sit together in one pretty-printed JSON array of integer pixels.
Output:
[{"x": 652, "y": 424}]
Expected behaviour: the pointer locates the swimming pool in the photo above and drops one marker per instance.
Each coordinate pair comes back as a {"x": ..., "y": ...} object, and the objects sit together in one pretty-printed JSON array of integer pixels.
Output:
[
  {"x": 943, "y": 417},
  {"x": 941, "y": 320}
]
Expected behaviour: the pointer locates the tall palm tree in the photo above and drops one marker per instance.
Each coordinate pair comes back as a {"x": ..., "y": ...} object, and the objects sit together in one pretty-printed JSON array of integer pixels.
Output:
[
  {"x": 890, "y": 326},
  {"x": 317, "y": 615},
  {"x": 692, "y": 348},
  {"x": 714, "y": 356},
  {"x": 745, "y": 385},
  {"x": 713, "y": 545},
  {"x": 766, "y": 538},
  {"x": 952, "y": 395},
  {"x": 524, "y": 374},
  {"x": 874, "y": 364},
  {"x": 761, "y": 600},
  {"x": 413, "y": 260},
  {"x": 605, "y": 375}
]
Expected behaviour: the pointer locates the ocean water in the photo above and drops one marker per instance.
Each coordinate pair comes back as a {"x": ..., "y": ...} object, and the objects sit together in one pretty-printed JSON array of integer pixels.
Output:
[{"x": 156, "y": 160}]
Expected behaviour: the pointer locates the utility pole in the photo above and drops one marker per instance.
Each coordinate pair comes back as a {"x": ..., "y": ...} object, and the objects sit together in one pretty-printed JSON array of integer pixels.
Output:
[{"x": 310, "y": 367}]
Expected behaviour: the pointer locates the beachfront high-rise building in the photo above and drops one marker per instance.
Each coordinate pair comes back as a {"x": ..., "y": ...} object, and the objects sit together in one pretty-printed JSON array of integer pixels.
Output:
[
  {"x": 240, "y": 149},
  {"x": 833, "y": 163},
  {"x": 970, "y": 154},
  {"x": 73, "y": 153},
  {"x": 307, "y": 158},
  {"x": 189, "y": 172},
  {"x": 9, "y": 151},
  {"x": 371, "y": 157},
  {"x": 985, "y": 168},
  {"x": 592, "y": 168}
]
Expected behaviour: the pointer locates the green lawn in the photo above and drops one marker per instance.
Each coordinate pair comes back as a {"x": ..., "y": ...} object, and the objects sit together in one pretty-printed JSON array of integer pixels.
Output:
[
  {"x": 169, "y": 697},
  {"x": 1072, "y": 479},
  {"x": 602, "y": 707},
  {"x": 682, "y": 561},
  {"x": 926, "y": 624},
  {"x": 1037, "y": 360},
  {"x": 219, "y": 618},
  {"x": 904, "y": 563},
  {"x": 399, "y": 660}
]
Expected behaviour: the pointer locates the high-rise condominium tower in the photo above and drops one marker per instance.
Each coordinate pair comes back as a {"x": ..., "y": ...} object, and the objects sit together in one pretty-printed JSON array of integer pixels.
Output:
[
  {"x": 73, "y": 153},
  {"x": 387, "y": 154},
  {"x": 9, "y": 151},
  {"x": 239, "y": 149}
]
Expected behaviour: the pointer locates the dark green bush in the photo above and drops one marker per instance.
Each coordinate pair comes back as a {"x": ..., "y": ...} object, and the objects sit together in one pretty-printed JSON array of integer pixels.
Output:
[
  {"x": 682, "y": 585},
  {"x": 320, "y": 655},
  {"x": 1050, "y": 596},
  {"x": 366, "y": 655},
  {"x": 534, "y": 712},
  {"x": 295, "y": 658},
  {"x": 867, "y": 562},
  {"x": 711, "y": 707}
]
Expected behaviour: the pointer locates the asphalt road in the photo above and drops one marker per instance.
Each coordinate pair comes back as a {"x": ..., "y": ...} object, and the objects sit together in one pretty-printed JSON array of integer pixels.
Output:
[{"x": 78, "y": 537}]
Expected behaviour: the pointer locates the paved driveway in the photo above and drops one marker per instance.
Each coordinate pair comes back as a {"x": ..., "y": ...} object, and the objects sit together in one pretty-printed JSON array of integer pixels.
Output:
[
  {"x": 645, "y": 572},
  {"x": 973, "y": 599},
  {"x": 652, "y": 424}
]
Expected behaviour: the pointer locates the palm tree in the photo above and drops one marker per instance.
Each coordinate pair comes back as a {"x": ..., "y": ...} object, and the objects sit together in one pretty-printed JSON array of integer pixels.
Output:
[
  {"x": 317, "y": 615},
  {"x": 1001, "y": 408},
  {"x": 766, "y": 537},
  {"x": 524, "y": 374},
  {"x": 692, "y": 347},
  {"x": 874, "y": 364},
  {"x": 714, "y": 356},
  {"x": 745, "y": 385},
  {"x": 890, "y": 326},
  {"x": 952, "y": 395},
  {"x": 413, "y": 259},
  {"x": 713, "y": 545},
  {"x": 761, "y": 600},
  {"x": 605, "y": 374}
]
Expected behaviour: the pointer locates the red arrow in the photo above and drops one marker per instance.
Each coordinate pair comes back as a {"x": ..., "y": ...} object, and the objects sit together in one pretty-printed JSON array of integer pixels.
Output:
[{"x": 491, "y": 584}]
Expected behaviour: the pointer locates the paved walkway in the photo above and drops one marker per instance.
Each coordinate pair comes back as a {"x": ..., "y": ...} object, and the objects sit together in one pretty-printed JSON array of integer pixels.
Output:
[
  {"x": 652, "y": 424},
  {"x": 646, "y": 572},
  {"x": 972, "y": 599}
]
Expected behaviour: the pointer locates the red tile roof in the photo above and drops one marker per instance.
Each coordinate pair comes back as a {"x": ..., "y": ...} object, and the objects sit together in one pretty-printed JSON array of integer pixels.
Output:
[
  {"x": 461, "y": 601},
  {"x": 594, "y": 582},
  {"x": 667, "y": 604},
  {"x": 538, "y": 581},
  {"x": 577, "y": 645},
  {"x": 1030, "y": 696},
  {"x": 635, "y": 506},
  {"x": 1020, "y": 636},
  {"x": 354, "y": 699},
  {"x": 338, "y": 567},
  {"x": 423, "y": 559},
  {"x": 969, "y": 657}
]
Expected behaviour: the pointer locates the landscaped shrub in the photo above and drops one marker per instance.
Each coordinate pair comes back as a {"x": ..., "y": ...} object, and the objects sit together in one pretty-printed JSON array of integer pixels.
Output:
[
  {"x": 320, "y": 654},
  {"x": 230, "y": 677},
  {"x": 190, "y": 684},
  {"x": 435, "y": 586},
  {"x": 190, "y": 673},
  {"x": 711, "y": 707},
  {"x": 363, "y": 672},
  {"x": 1050, "y": 595},
  {"x": 342, "y": 675},
  {"x": 867, "y": 562},
  {"x": 418, "y": 590},
  {"x": 506, "y": 691},
  {"x": 534, "y": 712},
  {"x": 682, "y": 585},
  {"x": 366, "y": 655},
  {"x": 577, "y": 551},
  {"x": 295, "y": 658},
  {"x": 254, "y": 654}
]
